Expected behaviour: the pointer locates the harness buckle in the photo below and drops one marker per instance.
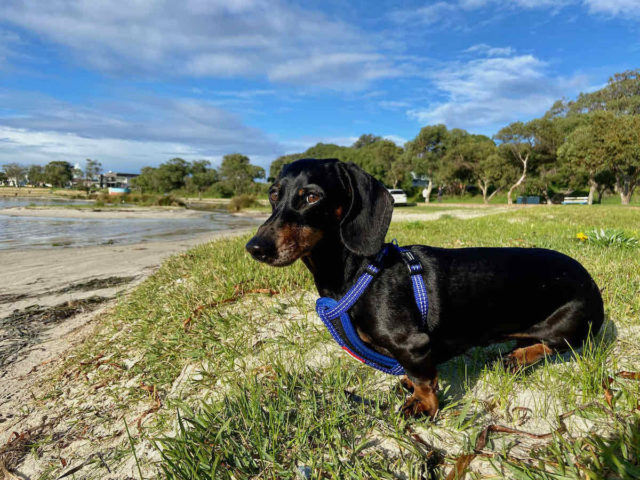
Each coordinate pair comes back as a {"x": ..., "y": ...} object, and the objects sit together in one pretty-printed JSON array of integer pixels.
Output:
[{"x": 413, "y": 264}]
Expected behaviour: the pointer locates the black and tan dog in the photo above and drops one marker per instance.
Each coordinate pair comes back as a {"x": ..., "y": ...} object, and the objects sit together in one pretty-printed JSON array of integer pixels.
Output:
[{"x": 334, "y": 216}]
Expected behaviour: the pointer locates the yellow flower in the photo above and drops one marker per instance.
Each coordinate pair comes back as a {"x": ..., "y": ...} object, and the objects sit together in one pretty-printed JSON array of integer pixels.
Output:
[{"x": 581, "y": 236}]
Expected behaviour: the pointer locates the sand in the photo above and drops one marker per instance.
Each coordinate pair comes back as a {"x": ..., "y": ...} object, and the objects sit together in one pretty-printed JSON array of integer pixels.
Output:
[{"x": 36, "y": 277}]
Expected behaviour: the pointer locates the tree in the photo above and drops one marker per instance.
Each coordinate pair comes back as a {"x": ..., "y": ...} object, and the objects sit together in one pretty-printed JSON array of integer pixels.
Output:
[
  {"x": 238, "y": 174},
  {"x": 583, "y": 152},
  {"x": 621, "y": 96},
  {"x": 202, "y": 177},
  {"x": 92, "y": 168},
  {"x": 171, "y": 175},
  {"x": 517, "y": 140},
  {"x": 15, "y": 173},
  {"x": 622, "y": 141},
  {"x": 365, "y": 140},
  {"x": 463, "y": 154},
  {"x": 425, "y": 153},
  {"x": 492, "y": 171},
  {"x": 387, "y": 165},
  {"x": 147, "y": 181},
  {"x": 58, "y": 173},
  {"x": 276, "y": 166},
  {"x": 35, "y": 174},
  {"x": 606, "y": 142},
  {"x": 77, "y": 175}
]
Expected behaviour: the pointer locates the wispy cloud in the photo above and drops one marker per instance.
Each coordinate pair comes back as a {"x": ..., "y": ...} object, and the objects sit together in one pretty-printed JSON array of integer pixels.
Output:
[
  {"x": 452, "y": 13},
  {"x": 8, "y": 44},
  {"x": 484, "y": 49},
  {"x": 213, "y": 38},
  {"x": 491, "y": 92},
  {"x": 614, "y": 8},
  {"x": 394, "y": 104},
  {"x": 193, "y": 127},
  {"x": 428, "y": 14}
]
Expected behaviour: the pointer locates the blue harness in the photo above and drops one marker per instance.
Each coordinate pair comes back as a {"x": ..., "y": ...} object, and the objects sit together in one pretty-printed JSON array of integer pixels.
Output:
[{"x": 333, "y": 313}]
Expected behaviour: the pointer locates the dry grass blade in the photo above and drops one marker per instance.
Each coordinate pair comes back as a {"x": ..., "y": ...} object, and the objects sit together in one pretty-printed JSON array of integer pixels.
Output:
[
  {"x": 463, "y": 462},
  {"x": 608, "y": 396},
  {"x": 147, "y": 412}
]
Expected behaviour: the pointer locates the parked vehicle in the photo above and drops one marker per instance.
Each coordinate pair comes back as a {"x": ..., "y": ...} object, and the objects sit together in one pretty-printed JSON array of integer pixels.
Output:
[{"x": 399, "y": 196}]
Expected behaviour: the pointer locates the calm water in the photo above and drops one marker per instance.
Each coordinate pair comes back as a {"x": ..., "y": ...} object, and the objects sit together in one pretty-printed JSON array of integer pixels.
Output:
[{"x": 35, "y": 232}]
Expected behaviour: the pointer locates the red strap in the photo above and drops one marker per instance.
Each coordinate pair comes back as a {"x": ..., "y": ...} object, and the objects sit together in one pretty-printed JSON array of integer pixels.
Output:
[{"x": 352, "y": 354}]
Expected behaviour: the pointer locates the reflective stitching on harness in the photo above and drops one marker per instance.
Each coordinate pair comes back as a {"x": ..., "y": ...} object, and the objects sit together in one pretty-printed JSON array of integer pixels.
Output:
[{"x": 333, "y": 313}]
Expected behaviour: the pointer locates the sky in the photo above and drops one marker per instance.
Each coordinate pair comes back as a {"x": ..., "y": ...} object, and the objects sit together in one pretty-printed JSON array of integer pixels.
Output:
[{"x": 137, "y": 82}]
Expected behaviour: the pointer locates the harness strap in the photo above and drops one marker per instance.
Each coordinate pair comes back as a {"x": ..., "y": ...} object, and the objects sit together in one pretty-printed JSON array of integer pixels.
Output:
[
  {"x": 417, "y": 282},
  {"x": 335, "y": 317}
]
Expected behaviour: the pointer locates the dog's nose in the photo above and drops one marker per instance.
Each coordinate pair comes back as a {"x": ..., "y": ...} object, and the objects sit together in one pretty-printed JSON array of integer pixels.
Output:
[{"x": 260, "y": 248}]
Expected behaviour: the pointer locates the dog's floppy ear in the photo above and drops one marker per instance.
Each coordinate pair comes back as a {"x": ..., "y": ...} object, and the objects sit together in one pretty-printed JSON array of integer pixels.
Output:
[{"x": 366, "y": 222}]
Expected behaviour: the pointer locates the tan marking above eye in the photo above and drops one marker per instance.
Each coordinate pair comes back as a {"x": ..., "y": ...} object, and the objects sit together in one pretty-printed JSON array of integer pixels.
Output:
[{"x": 301, "y": 192}]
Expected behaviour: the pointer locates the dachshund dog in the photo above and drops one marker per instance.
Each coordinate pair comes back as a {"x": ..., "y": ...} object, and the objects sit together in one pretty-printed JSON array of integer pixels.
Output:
[{"x": 334, "y": 216}]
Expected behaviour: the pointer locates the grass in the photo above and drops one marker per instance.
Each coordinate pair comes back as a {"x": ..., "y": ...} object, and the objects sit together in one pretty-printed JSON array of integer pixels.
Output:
[{"x": 220, "y": 366}]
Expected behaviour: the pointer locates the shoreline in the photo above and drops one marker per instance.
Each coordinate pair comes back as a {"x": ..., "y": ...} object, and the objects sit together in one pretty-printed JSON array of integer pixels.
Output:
[
  {"x": 51, "y": 298},
  {"x": 102, "y": 212},
  {"x": 38, "y": 275}
]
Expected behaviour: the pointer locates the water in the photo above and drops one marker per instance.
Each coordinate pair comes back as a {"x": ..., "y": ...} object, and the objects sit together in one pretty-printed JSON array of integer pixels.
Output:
[
  {"x": 8, "y": 202},
  {"x": 41, "y": 232}
]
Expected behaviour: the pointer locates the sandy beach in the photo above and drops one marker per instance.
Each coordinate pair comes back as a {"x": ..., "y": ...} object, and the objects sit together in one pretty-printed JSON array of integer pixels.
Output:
[
  {"x": 50, "y": 296},
  {"x": 50, "y": 299}
]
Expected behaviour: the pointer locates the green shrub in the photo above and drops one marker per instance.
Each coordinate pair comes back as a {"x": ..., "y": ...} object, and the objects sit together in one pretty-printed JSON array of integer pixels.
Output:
[{"x": 242, "y": 201}]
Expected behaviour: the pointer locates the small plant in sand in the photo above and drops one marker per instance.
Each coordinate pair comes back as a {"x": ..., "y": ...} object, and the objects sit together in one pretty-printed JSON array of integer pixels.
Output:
[{"x": 242, "y": 201}]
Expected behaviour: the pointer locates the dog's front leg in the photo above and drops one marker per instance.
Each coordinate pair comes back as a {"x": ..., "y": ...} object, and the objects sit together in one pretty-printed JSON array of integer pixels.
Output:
[{"x": 414, "y": 354}]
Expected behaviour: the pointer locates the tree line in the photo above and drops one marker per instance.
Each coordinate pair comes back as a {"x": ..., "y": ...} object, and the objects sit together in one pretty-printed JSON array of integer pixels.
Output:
[
  {"x": 235, "y": 176},
  {"x": 56, "y": 173},
  {"x": 589, "y": 144}
]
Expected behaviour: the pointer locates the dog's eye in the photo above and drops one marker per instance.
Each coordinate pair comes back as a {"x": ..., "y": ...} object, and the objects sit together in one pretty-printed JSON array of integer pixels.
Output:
[
  {"x": 312, "y": 198},
  {"x": 273, "y": 196}
]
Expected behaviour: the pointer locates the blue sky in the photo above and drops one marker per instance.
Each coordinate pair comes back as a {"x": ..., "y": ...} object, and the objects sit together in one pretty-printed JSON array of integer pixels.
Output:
[{"x": 136, "y": 82}]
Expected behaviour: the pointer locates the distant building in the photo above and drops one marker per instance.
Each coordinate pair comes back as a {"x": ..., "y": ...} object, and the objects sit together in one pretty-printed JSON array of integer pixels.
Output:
[{"x": 116, "y": 179}]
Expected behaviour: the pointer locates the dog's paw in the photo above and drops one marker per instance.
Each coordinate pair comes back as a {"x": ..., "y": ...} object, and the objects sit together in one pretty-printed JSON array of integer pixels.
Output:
[
  {"x": 512, "y": 363},
  {"x": 416, "y": 407},
  {"x": 405, "y": 384}
]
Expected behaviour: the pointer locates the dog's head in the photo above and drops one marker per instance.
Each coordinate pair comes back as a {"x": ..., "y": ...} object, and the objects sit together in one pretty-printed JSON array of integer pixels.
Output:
[{"x": 313, "y": 200}]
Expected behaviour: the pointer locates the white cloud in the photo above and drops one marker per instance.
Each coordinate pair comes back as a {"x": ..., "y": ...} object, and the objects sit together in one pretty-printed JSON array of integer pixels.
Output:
[
  {"x": 400, "y": 141},
  {"x": 8, "y": 42},
  {"x": 219, "y": 38},
  {"x": 492, "y": 92},
  {"x": 303, "y": 143},
  {"x": 393, "y": 104},
  {"x": 531, "y": 4},
  {"x": 27, "y": 147},
  {"x": 614, "y": 7},
  {"x": 357, "y": 67},
  {"x": 483, "y": 48},
  {"x": 428, "y": 14},
  {"x": 451, "y": 14},
  {"x": 154, "y": 128}
]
